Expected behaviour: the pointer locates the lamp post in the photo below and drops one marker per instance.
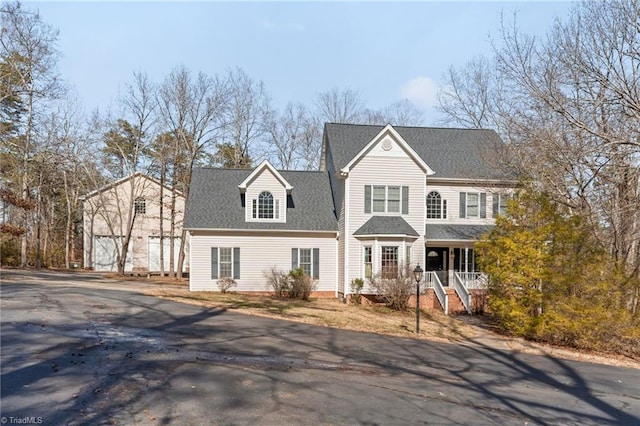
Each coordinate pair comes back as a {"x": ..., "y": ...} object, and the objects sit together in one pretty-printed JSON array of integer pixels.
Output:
[{"x": 417, "y": 274}]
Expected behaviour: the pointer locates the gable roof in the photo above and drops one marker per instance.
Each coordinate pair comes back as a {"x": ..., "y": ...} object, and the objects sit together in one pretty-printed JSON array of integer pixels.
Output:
[
  {"x": 451, "y": 153},
  {"x": 215, "y": 202},
  {"x": 386, "y": 225},
  {"x": 256, "y": 172},
  {"x": 389, "y": 130},
  {"x": 123, "y": 180}
]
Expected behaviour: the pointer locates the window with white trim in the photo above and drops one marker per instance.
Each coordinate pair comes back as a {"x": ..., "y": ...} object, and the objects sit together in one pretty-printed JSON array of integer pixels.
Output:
[
  {"x": 473, "y": 205},
  {"x": 308, "y": 259},
  {"x": 389, "y": 260},
  {"x": 407, "y": 254},
  {"x": 500, "y": 204},
  {"x": 368, "y": 264},
  {"x": 436, "y": 206},
  {"x": 386, "y": 199},
  {"x": 265, "y": 206},
  {"x": 379, "y": 199},
  {"x": 225, "y": 262}
]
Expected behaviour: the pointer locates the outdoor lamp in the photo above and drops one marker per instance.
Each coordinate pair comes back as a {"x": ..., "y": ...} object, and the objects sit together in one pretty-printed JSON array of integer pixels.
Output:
[{"x": 417, "y": 274}]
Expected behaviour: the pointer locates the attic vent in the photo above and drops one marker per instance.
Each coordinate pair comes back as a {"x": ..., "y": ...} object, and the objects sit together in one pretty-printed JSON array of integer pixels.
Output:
[{"x": 387, "y": 145}]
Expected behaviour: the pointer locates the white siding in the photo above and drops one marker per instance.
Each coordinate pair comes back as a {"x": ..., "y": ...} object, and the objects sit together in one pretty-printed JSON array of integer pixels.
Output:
[
  {"x": 382, "y": 167},
  {"x": 451, "y": 193},
  {"x": 266, "y": 181},
  {"x": 259, "y": 251}
]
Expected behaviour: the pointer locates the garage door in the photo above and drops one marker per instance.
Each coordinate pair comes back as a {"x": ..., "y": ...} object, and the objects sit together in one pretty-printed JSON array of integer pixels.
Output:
[
  {"x": 105, "y": 254},
  {"x": 154, "y": 253}
]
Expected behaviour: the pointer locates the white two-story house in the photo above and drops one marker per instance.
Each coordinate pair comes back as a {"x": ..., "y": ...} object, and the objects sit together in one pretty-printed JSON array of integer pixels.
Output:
[{"x": 384, "y": 197}]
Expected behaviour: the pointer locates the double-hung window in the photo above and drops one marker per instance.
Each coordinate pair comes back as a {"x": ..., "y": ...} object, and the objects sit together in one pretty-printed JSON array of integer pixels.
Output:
[
  {"x": 473, "y": 205},
  {"x": 308, "y": 259},
  {"x": 225, "y": 262},
  {"x": 386, "y": 199},
  {"x": 500, "y": 204},
  {"x": 379, "y": 198}
]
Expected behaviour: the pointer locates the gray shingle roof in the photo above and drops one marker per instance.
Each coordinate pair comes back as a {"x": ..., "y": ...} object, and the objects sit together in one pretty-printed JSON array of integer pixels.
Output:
[
  {"x": 386, "y": 225},
  {"x": 215, "y": 202},
  {"x": 455, "y": 232},
  {"x": 451, "y": 153}
]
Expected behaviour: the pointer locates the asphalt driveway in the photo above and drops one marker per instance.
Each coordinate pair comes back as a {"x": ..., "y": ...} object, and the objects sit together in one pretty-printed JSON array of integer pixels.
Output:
[{"x": 80, "y": 349}]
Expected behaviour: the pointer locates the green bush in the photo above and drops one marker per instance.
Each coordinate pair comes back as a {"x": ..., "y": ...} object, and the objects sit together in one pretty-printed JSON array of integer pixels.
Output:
[
  {"x": 552, "y": 281},
  {"x": 356, "y": 290}
]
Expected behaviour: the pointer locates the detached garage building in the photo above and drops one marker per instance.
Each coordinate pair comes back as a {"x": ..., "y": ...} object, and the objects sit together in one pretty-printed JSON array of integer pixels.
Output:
[{"x": 132, "y": 203}]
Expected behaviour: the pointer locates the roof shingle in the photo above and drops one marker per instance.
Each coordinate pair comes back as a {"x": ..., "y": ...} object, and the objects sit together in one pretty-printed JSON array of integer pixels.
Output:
[{"x": 216, "y": 203}]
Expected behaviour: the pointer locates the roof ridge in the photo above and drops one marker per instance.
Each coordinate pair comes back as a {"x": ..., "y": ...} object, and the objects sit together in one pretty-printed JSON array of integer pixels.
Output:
[{"x": 411, "y": 127}]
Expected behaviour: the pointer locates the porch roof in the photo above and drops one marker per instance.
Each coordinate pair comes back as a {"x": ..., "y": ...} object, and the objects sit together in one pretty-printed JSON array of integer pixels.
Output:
[
  {"x": 386, "y": 225},
  {"x": 440, "y": 232}
]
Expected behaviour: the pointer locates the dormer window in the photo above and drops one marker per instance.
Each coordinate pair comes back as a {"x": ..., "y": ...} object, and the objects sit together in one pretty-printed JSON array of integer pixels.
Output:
[{"x": 265, "y": 207}]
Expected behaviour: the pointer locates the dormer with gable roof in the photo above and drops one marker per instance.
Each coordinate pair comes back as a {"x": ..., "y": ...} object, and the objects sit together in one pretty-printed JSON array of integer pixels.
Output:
[{"x": 265, "y": 192}]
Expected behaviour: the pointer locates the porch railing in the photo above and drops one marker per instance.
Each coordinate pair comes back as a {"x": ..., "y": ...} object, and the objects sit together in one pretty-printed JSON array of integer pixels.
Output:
[
  {"x": 473, "y": 280},
  {"x": 432, "y": 281},
  {"x": 463, "y": 293}
]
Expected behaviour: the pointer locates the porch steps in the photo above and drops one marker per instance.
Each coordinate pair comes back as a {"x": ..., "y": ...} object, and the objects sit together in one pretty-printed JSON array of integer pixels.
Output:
[{"x": 455, "y": 304}]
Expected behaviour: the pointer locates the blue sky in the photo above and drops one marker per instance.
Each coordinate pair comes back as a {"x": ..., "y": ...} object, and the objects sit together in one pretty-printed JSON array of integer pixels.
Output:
[{"x": 386, "y": 50}]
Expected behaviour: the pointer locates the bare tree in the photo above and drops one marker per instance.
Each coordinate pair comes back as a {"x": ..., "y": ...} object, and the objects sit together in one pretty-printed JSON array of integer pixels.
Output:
[
  {"x": 569, "y": 106},
  {"x": 246, "y": 119},
  {"x": 190, "y": 110},
  {"x": 294, "y": 138},
  {"x": 340, "y": 106},
  {"x": 126, "y": 152},
  {"x": 29, "y": 59}
]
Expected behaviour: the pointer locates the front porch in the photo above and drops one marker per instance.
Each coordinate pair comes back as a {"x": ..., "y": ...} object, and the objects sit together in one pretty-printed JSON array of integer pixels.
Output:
[{"x": 451, "y": 274}]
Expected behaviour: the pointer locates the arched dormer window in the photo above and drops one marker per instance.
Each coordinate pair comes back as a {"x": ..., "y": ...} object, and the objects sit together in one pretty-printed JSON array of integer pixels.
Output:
[
  {"x": 436, "y": 206},
  {"x": 266, "y": 207}
]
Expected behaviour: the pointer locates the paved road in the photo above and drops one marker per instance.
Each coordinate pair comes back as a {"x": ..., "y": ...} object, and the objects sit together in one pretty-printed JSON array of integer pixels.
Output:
[{"x": 79, "y": 349}]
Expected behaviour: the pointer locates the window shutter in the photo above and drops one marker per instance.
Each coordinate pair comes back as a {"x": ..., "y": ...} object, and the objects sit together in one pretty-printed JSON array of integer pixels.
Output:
[
  {"x": 405, "y": 200},
  {"x": 294, "y": 259},
  {"x": 496, "y": 199},
  {"x": 463, "y": 204},
  {"x": 483, "y": 205},
  {"x": 316, "y": 263},
  {"x": 367, "y": 198},
  {"x": 277, "y": 209},
  {"x": 255, "y": 208},
  {"x": 444, "y": 209},
  {"x": 214, "y": 263},
  {"x": 236, "y": 263}
]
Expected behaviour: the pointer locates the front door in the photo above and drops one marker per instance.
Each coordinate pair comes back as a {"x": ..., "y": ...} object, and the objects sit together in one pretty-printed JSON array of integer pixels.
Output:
[{"x": 437, "y": 260}]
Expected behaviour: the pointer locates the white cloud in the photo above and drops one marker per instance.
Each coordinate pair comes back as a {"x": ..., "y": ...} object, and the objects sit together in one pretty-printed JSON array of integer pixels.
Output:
[{"x": 422, "y": 91}]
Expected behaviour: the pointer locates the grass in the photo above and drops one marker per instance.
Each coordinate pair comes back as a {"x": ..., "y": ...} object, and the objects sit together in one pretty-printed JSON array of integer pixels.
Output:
[{"x": 328, "y": 313}]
